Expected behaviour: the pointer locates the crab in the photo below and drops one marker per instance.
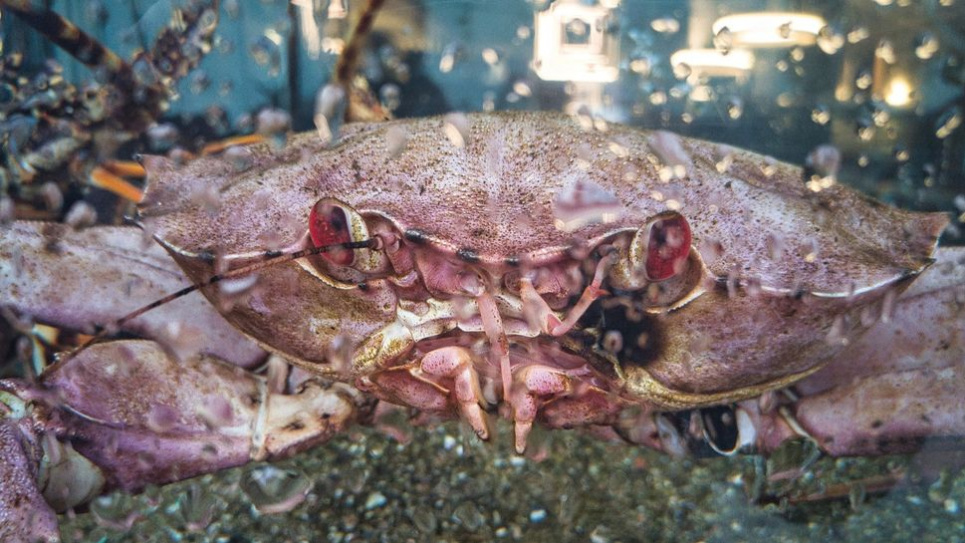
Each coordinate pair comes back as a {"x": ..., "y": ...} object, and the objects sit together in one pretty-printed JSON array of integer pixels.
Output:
[{"x": 657, "y": 290}]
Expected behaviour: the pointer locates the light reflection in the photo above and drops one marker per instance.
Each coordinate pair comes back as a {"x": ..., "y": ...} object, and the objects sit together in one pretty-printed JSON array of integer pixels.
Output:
[
  {"x": 770, "y": 29},
  {"x": 714, "y": 63},
  {"x": 898, "y": 93}
]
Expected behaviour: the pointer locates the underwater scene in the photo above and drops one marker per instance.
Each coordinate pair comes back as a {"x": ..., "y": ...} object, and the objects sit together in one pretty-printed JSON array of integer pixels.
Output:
[{"x": 482, "y": 270}]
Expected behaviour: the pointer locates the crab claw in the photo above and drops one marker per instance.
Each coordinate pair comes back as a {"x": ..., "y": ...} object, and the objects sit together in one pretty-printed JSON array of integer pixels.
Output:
[{"x": 162, "y": 420}]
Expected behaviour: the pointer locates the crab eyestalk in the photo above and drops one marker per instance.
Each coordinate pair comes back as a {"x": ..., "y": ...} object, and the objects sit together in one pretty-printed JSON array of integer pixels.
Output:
[
  {"x": 659, "y": 251},
  {"x": 333, "y": 222}
]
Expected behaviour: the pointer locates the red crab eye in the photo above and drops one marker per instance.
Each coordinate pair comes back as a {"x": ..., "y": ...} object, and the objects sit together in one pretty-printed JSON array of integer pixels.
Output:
[
  {"x": 328, "y": 225},
  {"x": 668, "y": 246}
]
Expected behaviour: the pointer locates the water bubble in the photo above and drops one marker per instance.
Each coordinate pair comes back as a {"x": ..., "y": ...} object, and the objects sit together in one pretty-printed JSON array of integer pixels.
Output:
[
  {"x": 240, "y": 159},
  {"x": 330, "y": 106},
  {"x": 198, "y": 82},
  {"x": 682, "y": 70},
  {"x": 451, "y": 54},
  {"x": 901, "y": 153},
  {"x": 926, "y": 45},
  {"x": 491, "y": 56},
  {"x": 948, "y": 122},
  {"x": 724, "y": 164},
  {"x": 864, "y": 129},
  {"x": 7, "y": 210},
  {"x": 339, "y": 354},
  {"x": 735, "y": 108},
  {"x": 265, "y": 52},
  {"x": 425, "y": 520},
  {"x": 489, "y": 101},
  {"x": 641, "y": 65},
  {"x": 162, "y": 136},
  {"x": 469, "y": 516},
  {"x": 858, "y": 34},
  {"x": 830, "y": 40},
  {"x": 391, "y": 96},
  {"x": 396, "y": 138},
  {"x": 825, "y": 160},
  {"x": 581, "y": 203},
  {"x": 274, "y": 124},
  {"x": 880, "y": 116},
  {"x": 885, "y": 51},
  {"x": 522, "y": 88},
  {"x": 115, "y": 511},
  {"x": 81, "y": 215},
  {"x": 821, "y": 114},
  {"x": 837, "y": 334},
  {"x": 724, "y": 40},
  {"x": 576, "y": 31},
  {"x": 456, "y": 127},
  {"x": 274, "y": 490},
  {"x": 665, "y": 25},
  {"x": 196, "y": 507},
  {"x": 53, "y": 197}
]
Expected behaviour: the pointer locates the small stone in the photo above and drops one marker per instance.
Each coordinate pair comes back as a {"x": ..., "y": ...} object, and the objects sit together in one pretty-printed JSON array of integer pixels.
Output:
[
  {"x": 537, "y": 515},
  {"x": 374, "y": 501}
]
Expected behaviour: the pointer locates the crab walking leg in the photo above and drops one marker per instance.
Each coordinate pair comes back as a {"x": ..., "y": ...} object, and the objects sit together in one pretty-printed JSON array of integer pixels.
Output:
[
  {"x": 493, "y": 326},
  {"x": 456, "y": 363},
  {"x": 534, "y": 382},
  {"x": 549, "y": 323},
  {"x": 416, "y": 385},
  {"x": 162, "y": 420},
  {"x": 899, "y": 385}
]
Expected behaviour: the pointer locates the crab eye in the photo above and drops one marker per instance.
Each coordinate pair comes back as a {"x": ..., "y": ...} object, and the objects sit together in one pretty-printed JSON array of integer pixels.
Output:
[
  {"x": 668, "y": 246},
  {"x": 328, "y": 224},
  {"x": 659, "y": 257}
]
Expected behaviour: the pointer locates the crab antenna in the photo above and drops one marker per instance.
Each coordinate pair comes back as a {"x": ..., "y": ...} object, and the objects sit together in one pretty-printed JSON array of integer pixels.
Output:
[{"x": 269, "y": 260}]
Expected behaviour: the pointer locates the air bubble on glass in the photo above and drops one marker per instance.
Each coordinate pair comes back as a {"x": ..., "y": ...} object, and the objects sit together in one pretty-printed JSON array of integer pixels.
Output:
[
  {"x": 830, "y": 40},
  {"x": 456, "y": 128},
  {"x": 665, "y": 25},
  {"x": 926, "y": 45},
  {"x": 948, "y": 122},
  {"x": 273, "y": 490},
  {"x": 724, "y": 40}
]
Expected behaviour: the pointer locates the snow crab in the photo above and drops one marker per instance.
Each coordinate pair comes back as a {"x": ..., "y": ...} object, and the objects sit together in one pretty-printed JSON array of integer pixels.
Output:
[{"x": 657, "y": 290}]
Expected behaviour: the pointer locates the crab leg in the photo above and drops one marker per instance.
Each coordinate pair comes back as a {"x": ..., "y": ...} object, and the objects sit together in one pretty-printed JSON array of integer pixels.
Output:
[
  {"x": 536, "y": 381},
  {"x": 163, "y": 420},
  {"x": 456, "y": 363},
  {"x": 549, "y": 323},
  {"x": 493, "y": 326},
  {"x": 898, "y": 386}
]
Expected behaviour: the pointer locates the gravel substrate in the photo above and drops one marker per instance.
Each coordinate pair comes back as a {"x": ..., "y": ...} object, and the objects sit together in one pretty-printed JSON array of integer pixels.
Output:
[{"x": 445, "y": 485}]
